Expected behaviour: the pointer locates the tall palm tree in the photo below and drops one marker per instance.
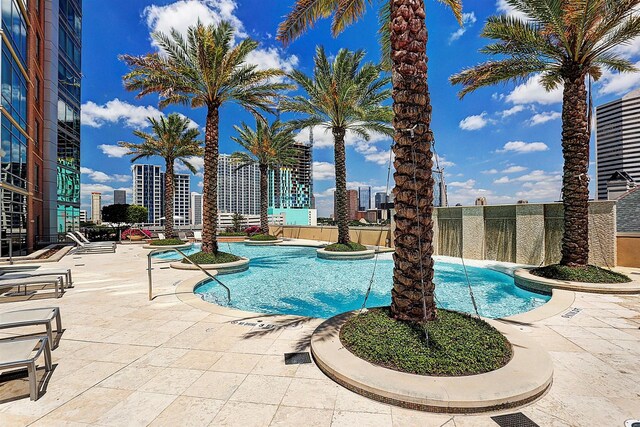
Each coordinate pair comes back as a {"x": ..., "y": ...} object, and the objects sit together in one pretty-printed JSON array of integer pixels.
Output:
[
  {"x": 404, "y": 41},
  {"x": 205, "y": 69},
  {"x": 172, "y": 139},
  {"x": 342, "y": 96},
  {"x": 567, "y": 43},
  {"x": 270, "y": 146}
]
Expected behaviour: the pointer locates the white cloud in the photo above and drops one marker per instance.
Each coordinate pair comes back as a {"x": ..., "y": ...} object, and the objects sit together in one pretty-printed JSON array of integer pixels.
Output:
[
  {"x": 490, "y": 172},
  {"x": 618, "y": 83},
  {"x": 532, "y": 91},
  {"x": 544, "y": 117},
  {"x": 476, "y": 122},
  {"x": 443, "y": 162},
  {"x": 507, "y": 9},
  {"x": 523, "y": 147},
  {"x": 182, "y": 14},
  {"x": 323, "y": 171},
  {"x": 197, "y": 162},
  {"x": 113, "y": 150},
  {"x": 116, "y": 111},
  {"x": 98, "y": 176},
  {"x": 503, "y": 180},
  {"x": 105, "y": 190},
  {"x": 514, "y": 169},
  {"x": 323, "y": 138},
  {"x": 511, "y": 111},
  {"x": 468, "y": 19},
  {"x": 466, "y": 184}
]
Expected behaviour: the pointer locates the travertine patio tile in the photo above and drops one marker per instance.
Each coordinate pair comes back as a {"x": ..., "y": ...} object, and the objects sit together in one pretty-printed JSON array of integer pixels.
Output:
[
  {"x": 252, "y": 345},
  {"x": 242, "y": 414},
  {"x": 90, "y": 374},
  {"x": 138, "y": 409},
  {"x": 172, "y": 381},
  {"x": 472, "y": 421},
  {"x": 287, "y": 416},
  {"x": 274, "y": 365},
  {"x": 15, "y": 420},
  {"x": 309, "y": 393},
  {"x": 574, "y": 332},
  {"x": 197, "y": 359},
  {"x": 262, "y": 389},
  {"x": 89, "y": 406},
  {"x": 215, "y": 385},
  {"x": 402, "y": 417},
  {"x": 612, "y": 334},
  {"x": 238, "y": 363},
  {"x": 188, "y": 411},
  {"x": 163, "y": 356},
  {"x": 310, "y": 371},
  {"x": 349, "y": 401},
  {"x": 279, "y": 347},
  {"x": 131, "y": 377},
  {"x": 349, "y": 419},
  {"x": 543, "y": 418},
  {"x": 597, "y": 345}
]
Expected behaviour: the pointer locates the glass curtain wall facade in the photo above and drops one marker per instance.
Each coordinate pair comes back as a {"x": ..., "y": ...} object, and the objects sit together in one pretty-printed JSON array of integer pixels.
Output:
[
  {"x": 14, "y": 188},
  {"x": 69, "y": 77}
]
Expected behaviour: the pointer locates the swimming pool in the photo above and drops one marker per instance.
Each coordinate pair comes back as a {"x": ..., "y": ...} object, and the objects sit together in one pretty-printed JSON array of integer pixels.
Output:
[{"x": 292, "y": 280}]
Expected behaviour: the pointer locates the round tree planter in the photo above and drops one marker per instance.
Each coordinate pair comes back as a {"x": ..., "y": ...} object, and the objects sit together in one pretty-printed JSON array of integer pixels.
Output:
[
  {"x": 262, "y": 242},
  {"x": 226, "y": 268},
  {"x": 346, "y": 256},
  {"x": 525, "y": 378},
  {"x": 230, "y": 239},
  {"x": 183, "y": 246},
  {"x": 525, "y": 280}
]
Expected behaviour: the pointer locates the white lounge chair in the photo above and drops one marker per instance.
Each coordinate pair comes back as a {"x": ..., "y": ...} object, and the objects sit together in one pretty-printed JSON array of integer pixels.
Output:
[
  {"x": 90, "y": 247},
  {"x": 161, "y": 236},
  {"x": 33, "y": 317},
  {"x": 19, "y": 353},
  {"x": 61, "y": 272},
  {"x": 183, "y": 236},
  {"x": 84, "y": 240},
  {"x": 56, "y": 282},
  {"x": 197, "y": 235}
]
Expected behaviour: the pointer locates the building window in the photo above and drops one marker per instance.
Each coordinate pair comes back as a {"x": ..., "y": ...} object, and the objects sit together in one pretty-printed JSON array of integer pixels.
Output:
[
  {"x": 13, "y": 163},
  {"x": 37, "y": 89},
  {"x": 36, "y": 177},
  {"x": 14, "y": 88},
  {"x": 13, "y": 25},
  {"x": 36, "y": 136},
  {"x": 38, "y": 42}
]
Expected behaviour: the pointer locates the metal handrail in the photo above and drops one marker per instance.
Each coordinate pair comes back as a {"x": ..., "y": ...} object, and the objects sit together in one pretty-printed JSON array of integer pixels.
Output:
[{"x": 182, "y": 254}]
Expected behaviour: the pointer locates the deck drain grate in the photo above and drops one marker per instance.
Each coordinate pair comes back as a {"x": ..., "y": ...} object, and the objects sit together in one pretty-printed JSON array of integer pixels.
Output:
[
  {"x": 571, "y": 313},
  {"x": 297, "y": 358},
  {"x": 514, "y": 420}
]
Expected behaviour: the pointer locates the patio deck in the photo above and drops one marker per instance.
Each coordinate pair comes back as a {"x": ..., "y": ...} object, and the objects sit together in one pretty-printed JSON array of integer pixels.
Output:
[{"x": 123, "y": 360}]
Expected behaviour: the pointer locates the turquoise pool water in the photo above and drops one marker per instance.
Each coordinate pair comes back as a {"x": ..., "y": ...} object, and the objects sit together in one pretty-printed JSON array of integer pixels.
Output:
[{"x": 292, "y": 280}]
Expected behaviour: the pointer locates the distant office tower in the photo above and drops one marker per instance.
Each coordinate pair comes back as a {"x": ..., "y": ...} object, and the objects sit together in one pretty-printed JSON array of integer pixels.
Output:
[
  {"x": 618, "y": 140},
  {"x": 238, "y": 189},
  {"x": 439, "y": 189},
  {"x": 481, "y": 201},
  {"x": 381, "y": 198},
  {"x": 292, "y": 186},
  {"x": 352, "y": 204},
  {"x": 147, "y": 190},
  {"x": 364, "y": 198},
  {"x": 196, "y": 209},
  {"x": 119, "y": 197},
  {"x": 83, "y": 215},
  {"x": 96, "y": 208}
]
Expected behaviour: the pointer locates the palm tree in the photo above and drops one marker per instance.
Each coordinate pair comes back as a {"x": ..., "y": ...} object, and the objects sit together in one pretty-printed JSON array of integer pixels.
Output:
[
  {"x": 173, "y": 139},
  {"x": 567, "y": 43},
  {"x": 404, "y": 41},
  {"x": 205, "y": 69},
  {"x": 270, "y": 146},
  {"x": 342, "y": 96}
]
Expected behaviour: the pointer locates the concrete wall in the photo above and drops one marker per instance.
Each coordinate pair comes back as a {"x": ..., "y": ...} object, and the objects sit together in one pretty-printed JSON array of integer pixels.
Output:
[
  {"x": 376, "y": 236},
  {"x": 628, "y": 249}
]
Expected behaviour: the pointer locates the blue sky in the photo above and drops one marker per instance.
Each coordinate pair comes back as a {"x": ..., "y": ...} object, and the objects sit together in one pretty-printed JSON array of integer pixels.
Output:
[{"x": 502, "y": 143}]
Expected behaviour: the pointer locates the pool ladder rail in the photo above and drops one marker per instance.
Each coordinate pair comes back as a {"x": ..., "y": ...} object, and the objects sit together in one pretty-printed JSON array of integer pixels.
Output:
[{"x": 182, "y": 254}]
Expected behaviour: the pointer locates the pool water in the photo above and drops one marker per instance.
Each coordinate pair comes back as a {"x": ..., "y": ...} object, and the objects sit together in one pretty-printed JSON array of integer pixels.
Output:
[{"x": 292, "y": 280}]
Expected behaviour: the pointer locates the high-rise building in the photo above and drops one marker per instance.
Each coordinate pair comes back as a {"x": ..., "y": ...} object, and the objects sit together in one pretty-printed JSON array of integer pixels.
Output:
[
  {"x": 96, "y": 208},
  {"x": 83, "y": 215},
  {"x": 352, "y": 204},
  {"x": 292, "y": 186},
  {"x": 119, "y": 197},
  {"x": 147, "y": 190},
  {"x": 380, "y": 199},
  {"x": 364, "y": 198},
  {"x": 196, "y": 209},
  {"x": 238, "y": 189},
  {"x": 618, "y": 141},
  {"x": 181, "y": 198}
]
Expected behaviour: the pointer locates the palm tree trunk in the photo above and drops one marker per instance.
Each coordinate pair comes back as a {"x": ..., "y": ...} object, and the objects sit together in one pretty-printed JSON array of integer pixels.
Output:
[
  {"x": 413, "y": 289},
  {"x": 210, "y": 182},
  {"x": 575, "y": 180},
  {"x": 342, "y": 216},
  {"x": 169, "y": 181},
  {"x": 264, "y": 199}
]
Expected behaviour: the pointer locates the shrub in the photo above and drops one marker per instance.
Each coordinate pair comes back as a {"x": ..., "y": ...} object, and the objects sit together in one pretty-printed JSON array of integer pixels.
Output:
[
  {"x": 588, "y": 274},
  {"x": 263, "y": 237},
  {"x": 254, "y": 229},
  {"x": 217, "y": 258},
  {"x": 136, "y": 232},
  {"x": 349, "y": 247},
  {"x": 166, "y": 242}
]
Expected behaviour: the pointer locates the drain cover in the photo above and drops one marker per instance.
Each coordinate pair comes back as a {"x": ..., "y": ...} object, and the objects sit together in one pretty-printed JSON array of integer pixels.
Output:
[
  {"x": 632, "y": 423},
  {"x": 514, "y": 420},
  {"x": 297, "y": 358}
]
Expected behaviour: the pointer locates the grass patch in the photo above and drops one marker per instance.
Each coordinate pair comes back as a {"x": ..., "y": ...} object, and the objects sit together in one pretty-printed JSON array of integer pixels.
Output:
[
  {"x": 217, "y": 258},
  {"x": 232, "y": 234},
  {"x": 166, "y": 242},
  {"x": 263, "y": 238},
  {"x": 349, "y": 247},
  {"x": 458, "y": 343},
  {"x": 588, "y": 274}
]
